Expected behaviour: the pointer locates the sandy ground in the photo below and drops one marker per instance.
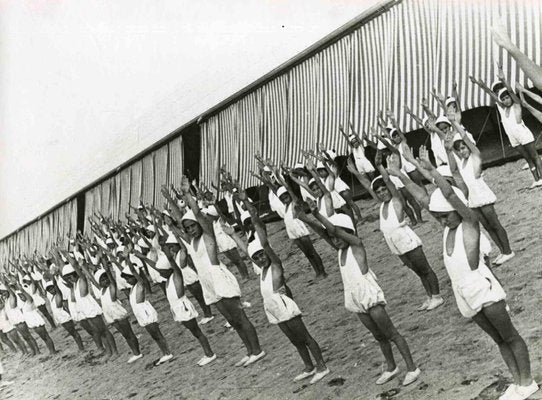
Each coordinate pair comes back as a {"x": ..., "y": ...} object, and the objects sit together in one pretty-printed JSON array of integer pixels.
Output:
[{"x": 457, "y": 359}]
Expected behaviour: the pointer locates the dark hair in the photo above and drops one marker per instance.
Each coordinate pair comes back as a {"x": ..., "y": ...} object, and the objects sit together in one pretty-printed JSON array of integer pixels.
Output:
[
  {"x": 458, "y": 143},
  {"x": 378, "y": 182}
]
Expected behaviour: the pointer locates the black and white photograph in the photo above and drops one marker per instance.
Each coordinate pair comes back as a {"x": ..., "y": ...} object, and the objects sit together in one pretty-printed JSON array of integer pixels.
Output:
[{"x": 270, "y": 199}]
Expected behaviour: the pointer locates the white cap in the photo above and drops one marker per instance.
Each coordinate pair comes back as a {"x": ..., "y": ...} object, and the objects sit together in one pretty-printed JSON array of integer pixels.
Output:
[
  {"x": 210, "y": 210},
  {"x": 450, "y": 100},
  {"x": 393, "y": 131},
  {"x": 67, "y": 269},
  {"x": 189, "y": 216},
  {"x": 141, "y": 243},
  {"x": 267, "y": 169},
  {"x": 45, "y": 286},
  {"x": 166, "y": 212},
  {"x": 150, "y": 228},
  {"x": 342, "y": 220},
  {"x": 352, "y": 136},
  {"x": 378, "y": 178},
  {"x": 244, "y": 216},
  {"x": 320, "y": 165},
  {"x": 457, "y": 137},
  {"x": 444, "y": 170},
  {"x": 443, "y": 120},
  {"x": 312, "y": 180},
  {"x": 254, "y": 247},
  {"x": 3, "y": 287},
  {"x": 98, "y": 274},
  {"x": 503, "y": 91},
  {"x": 439, "y": 203},
  {"x": 171, "y": 239},
  {"x": 299, "y": 166},
  {"x": 119, "y": 249},
  {"x": 331, "y": 154},
  {"x": 281, "y": 190},
  {"x": 109, "y": 241},
  {"x": 495, "y": 84},
  {"x": 425, "y": 120}
]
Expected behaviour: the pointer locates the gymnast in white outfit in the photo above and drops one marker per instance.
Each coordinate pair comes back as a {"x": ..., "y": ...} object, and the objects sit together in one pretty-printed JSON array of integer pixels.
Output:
[
  {"x": 478, "y": 293},
  {"x": 60, "y": 315},
  {"x": 466, "y": 159},
  {"x": 279, "y": 306},
  {"x": 219, "y": 285},
  {"x": 9, "y": 335},
  {"x": 402, "y": 240},
  {"x": 362, "y": 294}
]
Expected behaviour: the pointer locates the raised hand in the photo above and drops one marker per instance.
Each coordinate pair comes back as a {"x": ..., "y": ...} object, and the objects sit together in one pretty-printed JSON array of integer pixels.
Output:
[
  {"x": 448, "y": 141},
  {"x": 394, "y": 165},
  {"x": 309, "y": 164},
  {"x": 500, "y": 34},
  {"x": 408, "y": 154},
  {"x": 351, "y": 166},
  {"x": 185, "y": 185},
  {"x": 424, "y": 160},
  {"x": 228, "y": 229}
]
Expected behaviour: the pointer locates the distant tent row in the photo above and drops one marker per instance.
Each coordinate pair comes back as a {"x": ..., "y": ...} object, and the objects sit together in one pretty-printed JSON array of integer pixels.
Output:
[{"x": 393, "y": 56}]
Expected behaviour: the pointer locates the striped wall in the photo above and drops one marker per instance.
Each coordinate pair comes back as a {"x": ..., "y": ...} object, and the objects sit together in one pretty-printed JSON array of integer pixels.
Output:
[{"x": 394, "y": 60}]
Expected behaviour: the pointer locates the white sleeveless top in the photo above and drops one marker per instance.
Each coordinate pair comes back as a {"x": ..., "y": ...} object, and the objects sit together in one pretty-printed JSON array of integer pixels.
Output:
[
  {"x": 391, "y": 223},
  {"x": 203, "y": 266},
  {"x": 479, "y": 192},
  {"x": 295, "y": 228},
  {"x": 14, "y": 314},
  {"x": 112, "y": 310},
  {"x": 511, "y": 126},
  {"x": 59, "y": 314},
  {"x": 86, "y": 305},
  {"x": 189, "y": 275},
  {"x": 278, "y": 307}
]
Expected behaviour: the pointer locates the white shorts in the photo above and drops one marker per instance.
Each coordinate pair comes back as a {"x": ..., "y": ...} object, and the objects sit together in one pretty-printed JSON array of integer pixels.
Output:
[
  {"x": 189, "y": 276},
  {"x": 520, "y": 137},
  {"x": 365, "y": 295},
  {"x": 60, "y": 316},
  {"x": 113, "y": 311},
  {"x": 280, "y": 308},
  {"x": 145, "y": 313},
  {"x": 33, "y": 319},
  {"x": 478, "y": 290},
  {"x": 397, "y": 182},
  {"x": 364, "y": 166},
  {"x": 183, "y": 310},
  {"x": 402, "y": 240},
  {"x": 225, "y": 243},
  {"x": 481, "y": 195}
]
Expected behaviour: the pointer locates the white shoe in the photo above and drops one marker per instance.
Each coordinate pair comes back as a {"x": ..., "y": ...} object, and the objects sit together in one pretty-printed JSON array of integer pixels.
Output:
[
  {"x": 508, "y": 392},
  {"x": 253, "y": 358},
  {"x": 387, "y": 376},
  {"x": 206, "y": 320},
  {"x": 227, "y": 325},
  {"x": 524, "y": 392},
  {"x": 411, "y": 377},
  {"x": 538, "y": 183},
  {"x": 535, "y": 184},
  {"x": 304, "y": 375},
  {"x": 164, "y": 359},
  {"x": 246, "y": 304},
  {"x": 435, "y": 302},
  {"x": 206, "y": 360},
  {"x": 319, "y": 376},
  {"x": 424, "y": 305},
  {"x": 242, "y": 361},
  {"x": 134, "y": 358},
  {"x": 525, "y": 166},
  {"x": 506, "y": 257},
  {"x": 6, "y": 383},
  {"x": 497, "y": 260}
]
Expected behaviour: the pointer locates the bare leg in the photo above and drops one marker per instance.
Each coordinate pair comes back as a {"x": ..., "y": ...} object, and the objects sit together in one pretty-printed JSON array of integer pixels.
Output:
[
  {"x": 70, "y": 327},
  {"x": 417, "y": 262},
  {"x": 44, "y": 335},
  {"x": 305, "y": 245},
  {"x": 526, "y": 155},
  {"x": 298, "y": 328},
  {"x": 485, "y": 223},
  {"x": 532, "y": 154},
  {"x": 107, "y": 338},
  {"x": 7, "y": 341},
  {"x": 241, "y": 324},
  {"x": 195, "y": 330},
  {"x": 87, "y": 326},
  {"x": 234, "y": 256},
  {"x": 15, "y": 338},
  {"x": 197, "y": 292},
  {"x": 495, "y": 226},
  {"x": 22, "y": 328},
  {"x": 385, "y": 325},
  {"x": 125, "y": 329},
  {"x": 43, "y": 309},
  {"x": 383, "y": 341},
  {"x": 156, "y": 334}
]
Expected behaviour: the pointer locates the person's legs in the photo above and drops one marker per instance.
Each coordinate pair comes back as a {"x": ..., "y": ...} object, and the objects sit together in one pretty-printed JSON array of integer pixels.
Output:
[
  {"x": 522, "y": 150},
  {"x": 234, "y": 256},
  {"x": 22, "y": 328},
  {"x": 43, "y": 309},
  {"x": 383, "y": 341},
  {"x": 195, "y": 330},
  {"x": 385, "y": 325},
  {"x": 241, "y": 323},
  {"x": 298, "y": 328},
  {"x": 532, "y": 154},
  {"x": 15, "y": 338},
  {"x": 197, "y": 292},
  {"x": 299, "y": 344},
  {"x": 125, "y": 329},
  {"x": 305, "y": 245},
  {"x": 495, "y": 225},
  {"x": 417, "y": 262},
  {"x": 70, "y": 328},
  {"x": 108, "y": 340},
  {"x": 156, "y": 334},
  {"x": 497, "y": 315},
  {"x": 96, "y": 337},
  {"x": 4, "y": 338},
  {"x": 224, "y": 309},
  {"x": 44, "y": 335},
  {"x": 485, "y": 223}
]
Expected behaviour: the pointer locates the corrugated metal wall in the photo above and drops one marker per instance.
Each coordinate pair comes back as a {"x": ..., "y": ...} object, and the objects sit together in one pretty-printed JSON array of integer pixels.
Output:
[{"x": 394, "y": 60}]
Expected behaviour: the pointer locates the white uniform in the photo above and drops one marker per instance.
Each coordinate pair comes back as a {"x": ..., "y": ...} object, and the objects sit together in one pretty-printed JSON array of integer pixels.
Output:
[
  {"x": 112, "y": 310},
  {"x": 472, "y": 289},
  {"x": 479, "y": 192},
  {"x": 361, "y": 292},
  {"x": 189, "y": 275},
  {"x": 223, "y": 240},
  {"x": 439, "y": 151},
  {"x": 181, "y": 308},
  {"x": 335, "y": 191},
  {"x": 216, "y": 281},
  {"x": 406, "y": 166},
  {"x": 38, "y": 300},
  {"x": 14, "y": 314},
  {"x": 363, "y": 164},
  {"x": 60, "y": 315},
  {"x": 144, "y": 312},
  {"x": 398, "y": 235},
  {"x": 86, "y": 305},
  {"x": 278, "y": 307},
  {"x": 31, "y": 315},
  {"x": 74, "y": 311},
  {"x": 295, "y": 228},
  {"x": 5, "y": 325},
  {"x": 518, "y": 134}
]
